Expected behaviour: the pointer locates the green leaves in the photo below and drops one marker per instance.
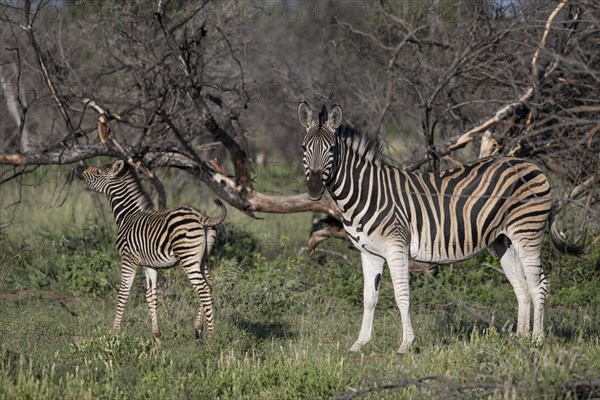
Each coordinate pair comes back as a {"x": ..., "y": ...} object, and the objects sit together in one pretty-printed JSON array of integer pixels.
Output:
[{"x": 93, "y": 273}]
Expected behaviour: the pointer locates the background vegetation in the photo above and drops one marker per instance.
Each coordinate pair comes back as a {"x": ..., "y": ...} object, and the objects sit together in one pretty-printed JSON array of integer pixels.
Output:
[
  {"x": 284, "y": 321},
  {"x": 212, "y": 88}
]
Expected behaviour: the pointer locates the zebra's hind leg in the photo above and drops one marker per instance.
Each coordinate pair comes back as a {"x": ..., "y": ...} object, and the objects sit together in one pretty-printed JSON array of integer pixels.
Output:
[
  {"x": 372, "y": 267},
  {"x": 511, "y": 265},
  {"x": 128, "y": 271},
  {"x": 398, "y": 264},
  {"x": 199, "y": 321},
  {"x": 530, "y": 256},
  {"x": 151, "y": 295},
  {"x": 205, "y": 311}
]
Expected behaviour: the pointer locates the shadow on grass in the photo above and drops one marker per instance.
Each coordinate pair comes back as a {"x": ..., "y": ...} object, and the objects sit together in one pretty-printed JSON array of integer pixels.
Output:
[
  {"x": 570, "y": 328},
  {"x": 263, "y": 330},
  {"x": 461, "y": 320}
]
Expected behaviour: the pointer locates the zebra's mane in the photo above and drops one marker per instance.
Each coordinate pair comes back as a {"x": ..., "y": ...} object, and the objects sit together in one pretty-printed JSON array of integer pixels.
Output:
[
  {"x": 135, "y": 183},
  {"x": 362, "y": 144}
]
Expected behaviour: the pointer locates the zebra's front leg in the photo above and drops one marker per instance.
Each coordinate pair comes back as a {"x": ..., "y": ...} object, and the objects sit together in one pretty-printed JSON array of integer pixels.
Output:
[
  {"x": 398, "y": 264},
  {"x": 128, "y": 271},
  {"x": 151, "y": 297},
  {"x": 372, "y": 267}
]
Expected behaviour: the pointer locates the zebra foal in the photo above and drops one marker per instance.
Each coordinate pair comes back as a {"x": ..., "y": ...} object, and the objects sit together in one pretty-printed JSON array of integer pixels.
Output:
[
  {"x": 155, "y": 239},
  {"x": 393, "y": 216}
]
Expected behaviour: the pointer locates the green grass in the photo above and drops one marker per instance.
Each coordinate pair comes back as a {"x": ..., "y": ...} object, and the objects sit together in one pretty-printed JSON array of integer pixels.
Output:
[{"x": 283, "y": 321}]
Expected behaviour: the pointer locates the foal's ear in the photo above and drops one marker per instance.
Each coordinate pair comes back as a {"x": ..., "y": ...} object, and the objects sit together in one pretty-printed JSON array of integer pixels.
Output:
[
  {"x": 305, "y": 115},
  {"x": 335, "y": 117},
  {"x": 118, "y": 168}
]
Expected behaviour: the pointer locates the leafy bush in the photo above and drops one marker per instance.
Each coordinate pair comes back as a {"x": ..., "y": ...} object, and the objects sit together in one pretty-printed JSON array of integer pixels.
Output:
[
  {"x": 92, "y": 236},
  {"x": 235, "y": 243},
  {"x": 342, "y": 282},
  {"x": 261, "y": 287},
  {"x": 80, "y": 259},
  {"x": 88, "y": 274},
  {"x": 22, "y": 267}
]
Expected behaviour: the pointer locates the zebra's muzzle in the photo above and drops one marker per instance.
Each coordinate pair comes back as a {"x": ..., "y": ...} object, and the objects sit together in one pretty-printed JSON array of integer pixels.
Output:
[
  {"x": 79, "y": 171},
  {"x": 314, "y": 186}
]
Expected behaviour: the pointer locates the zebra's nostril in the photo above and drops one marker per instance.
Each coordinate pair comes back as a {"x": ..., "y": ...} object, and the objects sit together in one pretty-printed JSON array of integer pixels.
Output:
[{"x": 79, "y": 171}]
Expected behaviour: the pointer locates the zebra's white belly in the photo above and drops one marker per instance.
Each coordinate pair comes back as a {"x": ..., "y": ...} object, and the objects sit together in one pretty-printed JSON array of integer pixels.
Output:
[
  {"x": 423, "y": 252},
  {"x": 363, "y": 242},
  {"x": 426, "y": 253},
  {"x": 438, "y": 253},
  {"x": 155, "y": 261}
]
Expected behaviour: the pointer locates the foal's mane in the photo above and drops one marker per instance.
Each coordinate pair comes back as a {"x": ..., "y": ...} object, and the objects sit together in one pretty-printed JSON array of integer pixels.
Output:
[{"x": 144, "y": 201}]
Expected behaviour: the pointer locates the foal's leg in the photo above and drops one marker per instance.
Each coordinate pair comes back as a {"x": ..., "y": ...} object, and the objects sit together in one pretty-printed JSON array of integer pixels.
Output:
[
  {"x": 151, "y": 296},
  {"x": 128, "y": 270},
  {"x": 205, "y": 311}
]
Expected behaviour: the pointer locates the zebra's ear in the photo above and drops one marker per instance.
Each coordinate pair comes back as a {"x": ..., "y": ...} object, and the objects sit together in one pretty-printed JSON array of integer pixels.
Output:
[
  {"x": 118, "y": 167},
  {"x": 305, "y": 115},
  {"x": 335, "y": 117}
]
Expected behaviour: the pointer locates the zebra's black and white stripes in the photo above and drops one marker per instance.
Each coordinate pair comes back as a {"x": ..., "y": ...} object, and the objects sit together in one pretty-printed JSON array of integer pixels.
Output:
[
  {"x": 156, "y": 239},
  {"x": 392, "y": 215}
]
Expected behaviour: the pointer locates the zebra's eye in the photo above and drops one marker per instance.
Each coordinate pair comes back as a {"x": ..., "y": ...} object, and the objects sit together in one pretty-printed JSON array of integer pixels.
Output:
[{"x": 303, "y": 148}]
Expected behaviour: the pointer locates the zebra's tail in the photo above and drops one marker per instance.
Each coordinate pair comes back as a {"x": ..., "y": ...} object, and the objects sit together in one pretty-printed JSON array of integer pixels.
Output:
[
  {"x": 559, "y": 243},
  {"x": 214, "y": 221}
]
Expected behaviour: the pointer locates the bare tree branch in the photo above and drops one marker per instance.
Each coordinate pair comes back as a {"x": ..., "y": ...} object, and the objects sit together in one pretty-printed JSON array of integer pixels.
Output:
[
  {"x": 542, "y": 45},
  {"x": 55, "y": 92}
]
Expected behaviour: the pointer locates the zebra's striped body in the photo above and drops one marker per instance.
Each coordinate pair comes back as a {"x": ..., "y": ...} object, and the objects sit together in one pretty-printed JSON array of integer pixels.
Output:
[
  {"x": 490, "y": 196},
  {"x": 393, "y": 215},
  {"x": 155, "y": 239}
]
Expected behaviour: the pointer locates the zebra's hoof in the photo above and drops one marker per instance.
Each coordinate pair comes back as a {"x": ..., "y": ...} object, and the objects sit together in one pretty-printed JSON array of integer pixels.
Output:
[
  {"x": 356, "y": 347},
  {"x": 403, "y": 350},
  {"x": 537, "y": 341}
]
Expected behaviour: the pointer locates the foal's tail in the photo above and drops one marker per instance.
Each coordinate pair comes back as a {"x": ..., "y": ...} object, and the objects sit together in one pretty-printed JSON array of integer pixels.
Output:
[{"x": 214, "y": 221}]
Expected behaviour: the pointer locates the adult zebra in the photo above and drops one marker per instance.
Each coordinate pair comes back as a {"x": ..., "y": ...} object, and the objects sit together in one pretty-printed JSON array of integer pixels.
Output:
[
  {"x": 155, "y": 239},
  {"x": 392, "y": 215}
]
